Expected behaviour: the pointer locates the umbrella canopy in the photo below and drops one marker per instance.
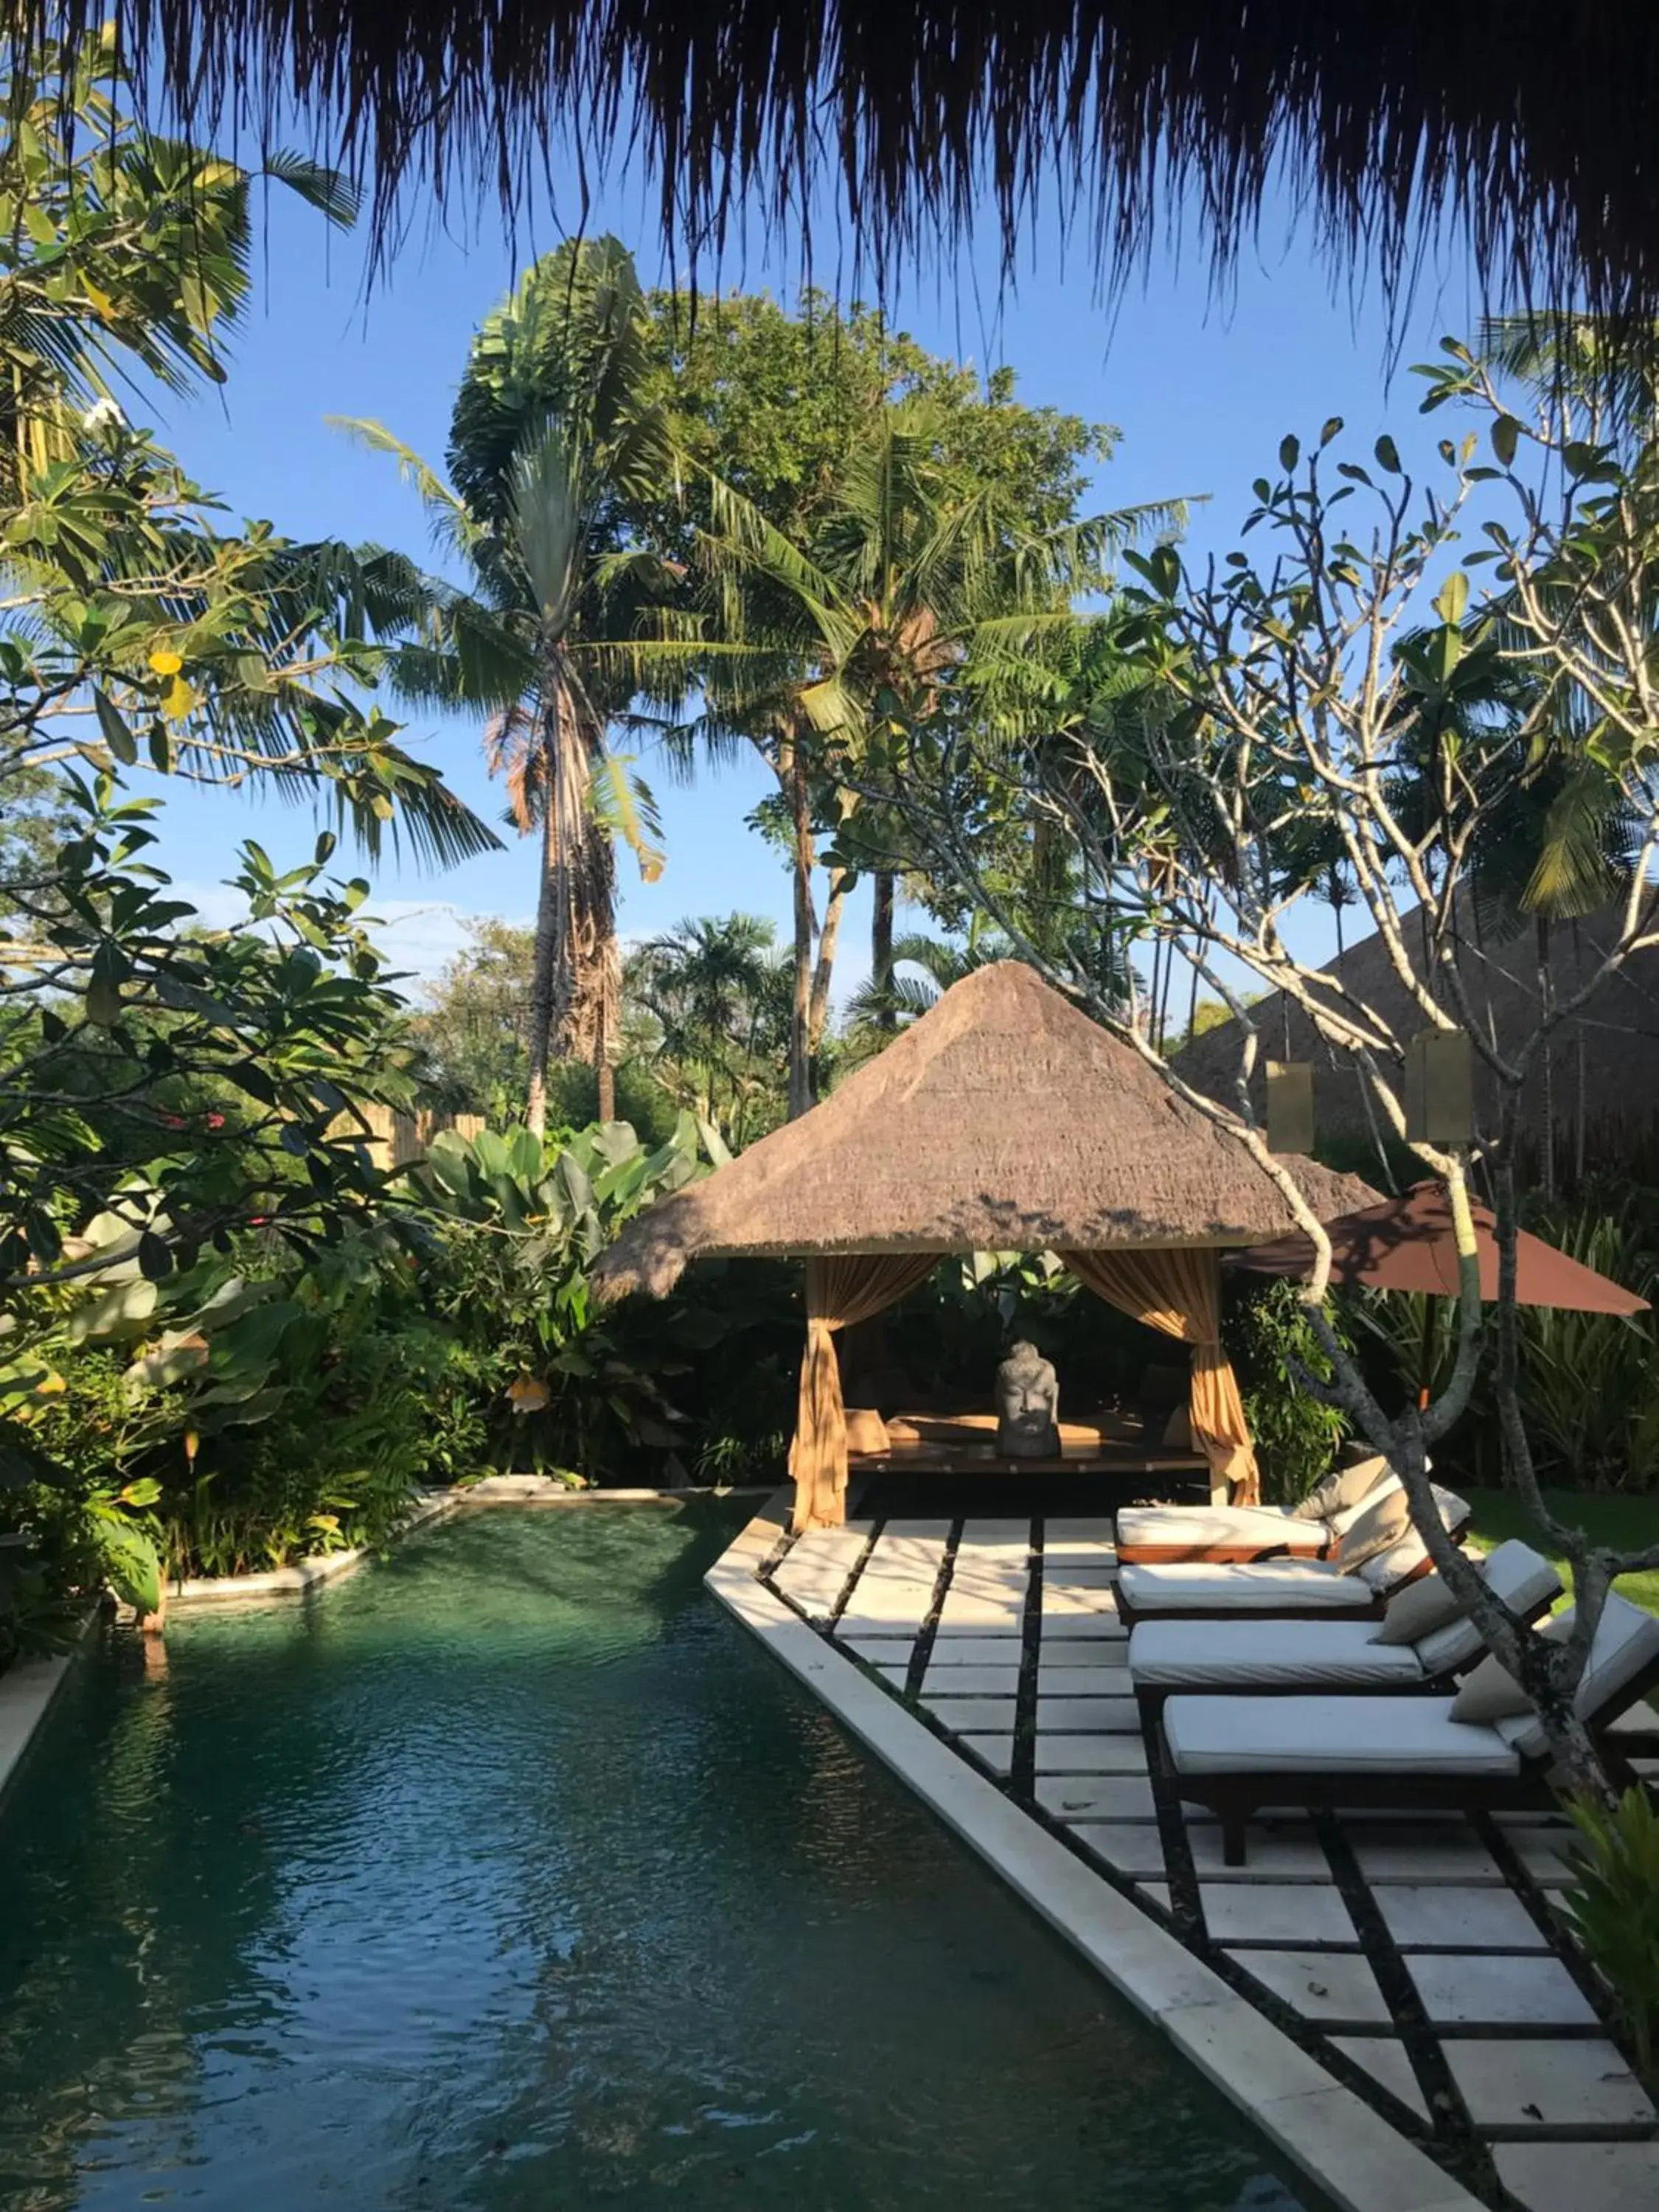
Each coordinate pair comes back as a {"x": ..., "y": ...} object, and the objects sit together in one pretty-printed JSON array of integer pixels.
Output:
[{"x": 1407, "y": 1244}]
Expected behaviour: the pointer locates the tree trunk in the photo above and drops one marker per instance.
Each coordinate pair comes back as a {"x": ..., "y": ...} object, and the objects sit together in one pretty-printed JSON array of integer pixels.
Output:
[
  {"x": 881, "y": 944},
  {"x": 818, "y": 1010},
  {"x": 542, "y": 976},
  {"x": 607, "y": 1083},
  {"x": 1547, "y": 993},
  {"x": 792, "y": 769}
]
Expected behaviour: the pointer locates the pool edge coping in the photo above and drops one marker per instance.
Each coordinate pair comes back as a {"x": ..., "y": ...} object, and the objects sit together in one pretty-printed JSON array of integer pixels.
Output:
[{"x": 1332, "y": 2134}]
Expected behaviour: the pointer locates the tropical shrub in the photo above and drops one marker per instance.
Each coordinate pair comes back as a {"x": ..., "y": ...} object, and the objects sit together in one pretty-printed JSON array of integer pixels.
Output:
[
  {"x": 1274, "y": 1349},
  {"x": 1614, "y": 1908},
  {"x": 512, "y": 1225}
]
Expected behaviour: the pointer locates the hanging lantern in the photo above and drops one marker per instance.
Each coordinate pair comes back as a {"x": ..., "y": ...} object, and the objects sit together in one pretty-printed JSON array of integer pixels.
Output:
[
  {"x": 1439, "y": 1088},
  {"x": 1289, "y": 1106}
]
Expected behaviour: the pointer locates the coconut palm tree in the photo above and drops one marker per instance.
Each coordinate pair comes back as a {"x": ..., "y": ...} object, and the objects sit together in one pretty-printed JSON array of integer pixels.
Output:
[
  {"x": 718, "y": 996},
  {"x": 557, "y": 636},
  {"x": 913, "y": 567}
]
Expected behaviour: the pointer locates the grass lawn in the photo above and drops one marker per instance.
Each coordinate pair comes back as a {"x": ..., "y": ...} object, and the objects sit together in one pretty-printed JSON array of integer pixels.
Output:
[{"x": 1629, "y": 1522}]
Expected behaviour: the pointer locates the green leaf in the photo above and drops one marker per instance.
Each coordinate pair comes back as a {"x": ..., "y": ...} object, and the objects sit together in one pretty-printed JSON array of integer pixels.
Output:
[
  {"x": 1290, "y": 452},
  {"x": 1453, "y": 598},
  {"x": 117, "y": 736},
  {"x": 1388, "y": 454},
  {"x": 1506, "y": 437},
  {"x": 1333, "y": 429},
  {"x": 129, "y": 1562},
  {"x": 154, "y": 1258}
]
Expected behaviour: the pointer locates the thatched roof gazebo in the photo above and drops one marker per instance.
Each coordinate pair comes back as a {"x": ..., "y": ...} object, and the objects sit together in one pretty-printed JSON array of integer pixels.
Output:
[{"x": 1005, "y": 1120}]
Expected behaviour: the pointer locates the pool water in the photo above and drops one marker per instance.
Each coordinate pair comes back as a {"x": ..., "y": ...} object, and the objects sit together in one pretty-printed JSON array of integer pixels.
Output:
[{"x": 508, "y": 1874}]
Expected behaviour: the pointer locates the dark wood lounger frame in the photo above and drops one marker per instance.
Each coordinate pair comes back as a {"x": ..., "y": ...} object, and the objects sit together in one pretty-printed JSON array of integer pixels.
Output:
[{"x": 1234, "y": 1797}]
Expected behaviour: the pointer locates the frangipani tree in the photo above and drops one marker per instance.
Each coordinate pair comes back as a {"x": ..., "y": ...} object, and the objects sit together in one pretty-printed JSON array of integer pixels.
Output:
[{"x": 1316, "y": 689}]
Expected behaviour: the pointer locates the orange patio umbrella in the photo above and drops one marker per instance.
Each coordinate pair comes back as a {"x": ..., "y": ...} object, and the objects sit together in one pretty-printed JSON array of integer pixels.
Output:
[{"x": 1408, "y": 1244}]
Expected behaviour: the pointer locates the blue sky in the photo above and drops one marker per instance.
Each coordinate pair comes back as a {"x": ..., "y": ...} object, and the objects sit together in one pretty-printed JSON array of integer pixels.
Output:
[{"x": 1201, "y": 386}]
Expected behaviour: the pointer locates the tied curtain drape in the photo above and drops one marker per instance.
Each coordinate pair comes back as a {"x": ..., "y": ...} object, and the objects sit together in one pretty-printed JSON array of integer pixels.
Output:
[
  {"x": 1178, "y": 1291},
  {"x": 840, "y": 1292}
]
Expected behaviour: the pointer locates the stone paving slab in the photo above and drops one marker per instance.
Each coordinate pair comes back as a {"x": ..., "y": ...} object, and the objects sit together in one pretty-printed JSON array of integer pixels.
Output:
[
  {"x": 1077, "y": 1574},
  {"x": 1104, "y": 1716},
  {"x": 964, "y": 1615},
  {"x": 1073, "y": 1626},
  {"x": 1275, "y": 1912},
  {"x": 1130, "y": 1848},
  {"x": 996, "y": 1751},
  {"x": 1483, "y": 1988},
  {"x": 1585, "y": 2177},
  {"x": 1327, "y": 1986},
  {"x": 1416, "y": 1854},
  {"x": 1091, "y": 1754},
  {"x": 977, "y": 1651},
  {"x": 1073, "y": 1654},
  {"x": 962, "y": 1715},
  {"x": 1577, "y": 2083},
  {"x": 1107, "y": 1797},
  {"x": 1385, "y": 2061},
  {"x": 881, "y": 1651},
  {"x": 1442, "y": 1915},
  {"x": 946, "y": 1681},
  {"x": 1543, "y": 1852},
  {"x": 1270, "y": 1855}
]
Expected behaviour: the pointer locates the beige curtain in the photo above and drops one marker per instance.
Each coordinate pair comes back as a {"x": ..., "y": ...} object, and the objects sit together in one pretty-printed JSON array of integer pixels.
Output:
[
  {"x": 841, "y": 1293},
  {"x": 1179, "y": 1292}
]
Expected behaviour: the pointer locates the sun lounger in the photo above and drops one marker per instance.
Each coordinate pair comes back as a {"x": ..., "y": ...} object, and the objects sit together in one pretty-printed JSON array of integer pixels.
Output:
[
  {"x": 1282, "y": 1590},
  {"x": 1289, "y": 1658},
  {"x": 1234, "y": 1755},
  {"x": 1163, "y": 1535}
]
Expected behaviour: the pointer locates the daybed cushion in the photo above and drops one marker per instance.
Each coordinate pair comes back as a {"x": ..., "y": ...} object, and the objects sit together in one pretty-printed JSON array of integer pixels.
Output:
[
  {"x": 865, "y": 1429},
  {"x": 1330, "y": 1736},
  {"x": 1199, "y": 1655},
  {"x": 1344, "y": 1488},
  {"x": 1205, "y": 1528},
  {"x": 1251, "y": 1586},
  {"x": 1420, "y": 1609}
]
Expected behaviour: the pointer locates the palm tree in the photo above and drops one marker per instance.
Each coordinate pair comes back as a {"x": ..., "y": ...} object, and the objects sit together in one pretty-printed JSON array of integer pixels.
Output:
[
  {"x": 718, "y": 996},
  {"x": 551, "y": 438},
  {"x": 913, "y": 567}
]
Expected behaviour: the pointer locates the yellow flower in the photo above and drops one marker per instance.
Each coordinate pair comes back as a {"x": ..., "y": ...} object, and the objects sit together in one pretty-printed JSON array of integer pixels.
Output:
[
  {"x": 165, "y": 663},
  {"x": 177, "y": 700}
]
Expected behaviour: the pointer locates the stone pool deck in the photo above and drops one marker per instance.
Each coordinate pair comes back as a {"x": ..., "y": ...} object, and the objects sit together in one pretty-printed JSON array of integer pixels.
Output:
[{"x": 1394, "y": 2000}]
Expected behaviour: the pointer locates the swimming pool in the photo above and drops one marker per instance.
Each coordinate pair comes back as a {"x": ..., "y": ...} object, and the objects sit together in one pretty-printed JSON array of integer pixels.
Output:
[{"x": 509, "y": 1874}]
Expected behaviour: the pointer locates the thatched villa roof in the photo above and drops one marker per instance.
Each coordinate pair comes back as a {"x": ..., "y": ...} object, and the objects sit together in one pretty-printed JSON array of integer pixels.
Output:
[
  {"x": 1530, "y": 128},
  {"x": 1004, "y": 1120}
]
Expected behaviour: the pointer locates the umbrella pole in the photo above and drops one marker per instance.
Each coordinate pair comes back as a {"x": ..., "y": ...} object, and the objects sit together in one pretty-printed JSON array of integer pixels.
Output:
[{"x": 1426, "y": 1365}]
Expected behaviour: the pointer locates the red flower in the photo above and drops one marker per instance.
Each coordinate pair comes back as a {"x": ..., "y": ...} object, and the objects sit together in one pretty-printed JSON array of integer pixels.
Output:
[{"x": 216, "y": 1121}]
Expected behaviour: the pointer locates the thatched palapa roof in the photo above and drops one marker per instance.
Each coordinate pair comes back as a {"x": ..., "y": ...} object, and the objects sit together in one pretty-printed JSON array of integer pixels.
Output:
[
  {"x": 1004, "y": 1120},
  {"x": 1530, "y": 127}
]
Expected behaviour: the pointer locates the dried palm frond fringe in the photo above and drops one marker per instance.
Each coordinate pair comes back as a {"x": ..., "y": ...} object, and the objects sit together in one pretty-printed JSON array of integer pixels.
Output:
[
  {"x": 1526, "y": 128},
  {"x": 1004, "y": 1120}
]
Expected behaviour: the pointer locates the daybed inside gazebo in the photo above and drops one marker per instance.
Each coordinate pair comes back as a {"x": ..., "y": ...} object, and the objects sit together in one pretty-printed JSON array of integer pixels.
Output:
[{"x": 1004, "y": 1121}]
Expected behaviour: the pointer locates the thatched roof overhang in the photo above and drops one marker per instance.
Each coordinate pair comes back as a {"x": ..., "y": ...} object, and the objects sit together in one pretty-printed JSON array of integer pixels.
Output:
[
  {"x": 1005, "y": 1120},
  {"x": 1528, "y": 128}
]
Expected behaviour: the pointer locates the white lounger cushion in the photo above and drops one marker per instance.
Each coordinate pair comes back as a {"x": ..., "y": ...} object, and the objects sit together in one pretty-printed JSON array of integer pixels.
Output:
[
  {"x": 1627, "y": 1642},
  {"x": 1524, "y": 1580},
  {"x": 1312, "y": 1654},
  {"x": 1204, "y": 1526},
  {"x": 1251, "y": 1586},
  {"x": 1330, "y": 1736}
]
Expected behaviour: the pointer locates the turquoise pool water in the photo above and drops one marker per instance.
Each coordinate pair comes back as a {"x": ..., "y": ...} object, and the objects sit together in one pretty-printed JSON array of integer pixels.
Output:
[{"x": 510, "y": 1874}]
